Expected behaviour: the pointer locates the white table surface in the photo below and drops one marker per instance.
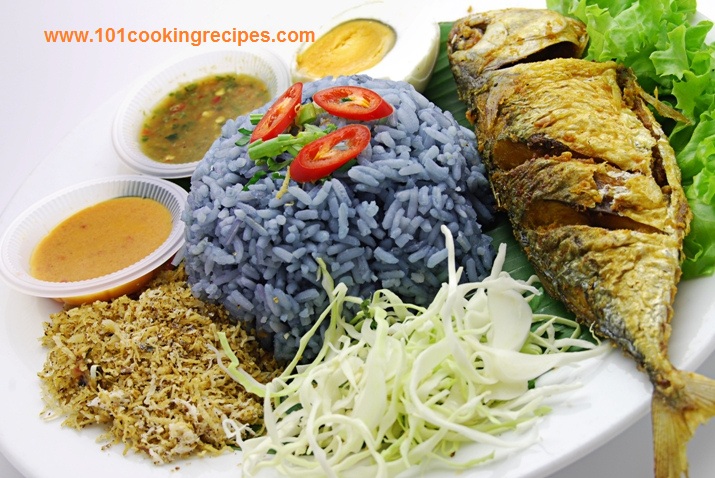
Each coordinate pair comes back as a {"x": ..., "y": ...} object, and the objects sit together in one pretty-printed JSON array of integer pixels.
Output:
[{"x": 47, "y": 89}]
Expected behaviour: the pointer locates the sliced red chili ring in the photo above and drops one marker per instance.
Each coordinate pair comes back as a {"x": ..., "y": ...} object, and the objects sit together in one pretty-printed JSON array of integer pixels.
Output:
[
  {"x": 353, "y": 102},
  {"x": 280, "y": 115},
  {"x": 322, "y": 157}
]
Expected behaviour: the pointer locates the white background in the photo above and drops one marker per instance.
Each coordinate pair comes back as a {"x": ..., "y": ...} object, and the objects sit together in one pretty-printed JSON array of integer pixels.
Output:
[{"x": 48, "y": 89}]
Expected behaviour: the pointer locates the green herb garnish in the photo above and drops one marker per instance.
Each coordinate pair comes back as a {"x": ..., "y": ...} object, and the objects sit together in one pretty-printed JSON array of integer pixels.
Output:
[{"x": 286, "y": 142}]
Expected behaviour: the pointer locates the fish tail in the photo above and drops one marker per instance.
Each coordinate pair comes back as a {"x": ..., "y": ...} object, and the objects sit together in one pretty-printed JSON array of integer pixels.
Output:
[{"x": 675, "y": 422}]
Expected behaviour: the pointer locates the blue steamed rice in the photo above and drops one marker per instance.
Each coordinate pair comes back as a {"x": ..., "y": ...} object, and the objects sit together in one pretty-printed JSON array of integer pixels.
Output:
[{"x": 375, "y": 225}]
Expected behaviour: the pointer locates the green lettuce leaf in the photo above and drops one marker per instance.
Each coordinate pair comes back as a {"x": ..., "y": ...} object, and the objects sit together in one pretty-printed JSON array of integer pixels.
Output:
[
  {"x": 694, "y": 94},
  {"x": 674, "y": 59}
]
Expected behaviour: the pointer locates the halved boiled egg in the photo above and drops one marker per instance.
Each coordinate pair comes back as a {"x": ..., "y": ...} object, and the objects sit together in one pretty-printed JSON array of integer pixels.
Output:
[{"x": 377, "y": 39}]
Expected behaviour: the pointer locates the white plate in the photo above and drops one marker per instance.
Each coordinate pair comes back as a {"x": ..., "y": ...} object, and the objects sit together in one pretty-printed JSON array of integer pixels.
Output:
[{"x": 613, "y": 397}]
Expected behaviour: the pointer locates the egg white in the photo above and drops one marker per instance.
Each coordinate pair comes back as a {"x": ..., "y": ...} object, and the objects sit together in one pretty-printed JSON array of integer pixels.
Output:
[{"x": 412, "y": 57}]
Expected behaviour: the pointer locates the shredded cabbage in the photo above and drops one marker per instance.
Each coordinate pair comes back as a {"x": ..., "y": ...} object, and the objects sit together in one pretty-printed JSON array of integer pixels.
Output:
[{"x": 401, "y": 384}]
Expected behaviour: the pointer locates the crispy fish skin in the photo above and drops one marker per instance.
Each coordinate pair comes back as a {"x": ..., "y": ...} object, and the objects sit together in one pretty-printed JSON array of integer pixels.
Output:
[
  {"x": 592, "y": 190},
  {"x": 604, "y": 235},
  {"x": 495, "y": 39},
  {"x": 592, "y": 116}
]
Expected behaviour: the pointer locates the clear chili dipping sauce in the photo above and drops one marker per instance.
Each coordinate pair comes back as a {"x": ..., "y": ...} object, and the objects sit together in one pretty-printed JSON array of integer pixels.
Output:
[{"x": 182, "y": 127}]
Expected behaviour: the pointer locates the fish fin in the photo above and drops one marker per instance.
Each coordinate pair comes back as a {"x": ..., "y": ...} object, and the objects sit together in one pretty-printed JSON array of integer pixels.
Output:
[{"x": 674, "y": 423}]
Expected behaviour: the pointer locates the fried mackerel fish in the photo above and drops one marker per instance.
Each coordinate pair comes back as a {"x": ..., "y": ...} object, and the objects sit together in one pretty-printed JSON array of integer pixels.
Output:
[
  {"x": 146, "y": 368},
  {"x": 592, "y": 189}
]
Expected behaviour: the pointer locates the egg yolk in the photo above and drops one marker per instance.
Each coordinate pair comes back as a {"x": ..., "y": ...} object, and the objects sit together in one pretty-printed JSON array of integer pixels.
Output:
[{"x": 349, "y": 48}]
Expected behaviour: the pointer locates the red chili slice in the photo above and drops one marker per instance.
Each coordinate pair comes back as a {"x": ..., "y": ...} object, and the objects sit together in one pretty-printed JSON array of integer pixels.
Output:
[
  {"x": 353, "y": 102},
  {"x": 280, "y": 115},
  {"x": 321, "y": 157}
]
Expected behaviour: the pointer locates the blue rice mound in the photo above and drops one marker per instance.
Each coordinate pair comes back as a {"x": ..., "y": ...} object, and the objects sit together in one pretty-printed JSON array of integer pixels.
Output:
[{"x": 375, "y": 225}]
